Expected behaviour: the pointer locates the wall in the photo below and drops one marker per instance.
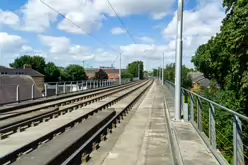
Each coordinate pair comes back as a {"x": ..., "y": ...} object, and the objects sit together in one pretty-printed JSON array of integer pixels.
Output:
[{"x": 39, "y": 81}]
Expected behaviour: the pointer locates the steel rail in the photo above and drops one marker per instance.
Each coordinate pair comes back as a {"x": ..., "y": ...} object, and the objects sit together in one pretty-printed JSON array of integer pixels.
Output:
[
  {"x": 9, "y": 107},
  {"x": 11, "y": 157},
  {"x": 20, "y": 125},
  {"x": 83, "y": 152},
  {"x": 57, "y": 103}
]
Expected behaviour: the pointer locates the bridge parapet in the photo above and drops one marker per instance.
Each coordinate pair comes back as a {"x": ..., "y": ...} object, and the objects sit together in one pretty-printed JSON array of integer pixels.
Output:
[{"x": 223, "y": 130}]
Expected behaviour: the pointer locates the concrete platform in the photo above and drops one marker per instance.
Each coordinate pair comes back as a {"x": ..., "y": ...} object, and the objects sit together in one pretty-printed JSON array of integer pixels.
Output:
[
  {"x": 191, "y": 150},
  {"x": 144, "y": 139}
]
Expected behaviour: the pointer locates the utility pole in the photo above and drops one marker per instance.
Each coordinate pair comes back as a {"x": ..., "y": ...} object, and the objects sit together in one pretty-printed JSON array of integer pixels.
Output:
[
  {"x": 179, "y": 60},
  {"x": 163, "y": 71},
  {"x": 158, "y": 73},
  {"x": 139, "y": 71},
  {"x": 120, "y": 70}
]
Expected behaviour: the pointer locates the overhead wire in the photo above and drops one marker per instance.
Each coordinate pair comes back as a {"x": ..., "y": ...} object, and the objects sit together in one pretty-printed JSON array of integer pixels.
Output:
[
  {"x": 124, "y": 26},
  {"x": 95, "y": 38},
  {"x": 132, "y": 38}
]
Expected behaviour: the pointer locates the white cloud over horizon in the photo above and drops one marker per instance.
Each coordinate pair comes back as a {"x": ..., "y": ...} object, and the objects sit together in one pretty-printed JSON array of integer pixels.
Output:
[{"x": 199, "y": 25}]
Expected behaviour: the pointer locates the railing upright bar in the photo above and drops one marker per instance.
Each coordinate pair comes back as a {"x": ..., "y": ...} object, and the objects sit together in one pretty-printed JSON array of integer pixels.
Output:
[
  {"x": 237, "y": 142},
  {"x": 199, "y": 115},
  {"x": 212, "y": 129}
]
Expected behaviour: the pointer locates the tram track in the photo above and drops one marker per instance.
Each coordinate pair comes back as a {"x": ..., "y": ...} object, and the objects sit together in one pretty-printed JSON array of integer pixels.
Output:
[
  {"x": 31, "y": 116},
  {"x": 107, "y": 119}
]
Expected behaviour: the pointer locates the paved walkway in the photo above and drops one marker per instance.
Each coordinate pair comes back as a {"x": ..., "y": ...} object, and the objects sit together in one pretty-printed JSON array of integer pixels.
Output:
[
  {"x": 189, "y": 147},
  {"x": 144, "y": 140}
]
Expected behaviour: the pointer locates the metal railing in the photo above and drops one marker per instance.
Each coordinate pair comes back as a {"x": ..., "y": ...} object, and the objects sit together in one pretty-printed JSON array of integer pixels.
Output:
[
  {"x": 224, "y": 131},
  {"x": 28, "y": 91}
]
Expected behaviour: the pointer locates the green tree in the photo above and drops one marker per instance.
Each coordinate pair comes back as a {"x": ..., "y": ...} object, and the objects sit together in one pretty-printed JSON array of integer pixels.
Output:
[
  {"x": 133, "y": 68},
  {"x": 101, "y": 75},
  {"x": 52, "y": 72},
  {"x": 36, "y": 62},
  {"x": 169, "y": 74},
  {"x": 75, "y": 72},
  {"x": 225, "y": 57},
  {"x": 155, "y": 72},
  {"x": 126, "y": 75}
]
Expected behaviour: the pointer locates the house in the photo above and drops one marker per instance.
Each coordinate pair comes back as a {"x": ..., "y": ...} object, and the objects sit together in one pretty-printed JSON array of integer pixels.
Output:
[
  {"x": 35, "y": 75},
  {"x": 198, "y": 80},
  {"x": 113, "y": 73}
]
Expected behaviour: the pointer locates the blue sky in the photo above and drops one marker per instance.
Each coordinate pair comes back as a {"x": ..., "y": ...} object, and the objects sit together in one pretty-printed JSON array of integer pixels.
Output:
[{"x": 30, "y": 27}]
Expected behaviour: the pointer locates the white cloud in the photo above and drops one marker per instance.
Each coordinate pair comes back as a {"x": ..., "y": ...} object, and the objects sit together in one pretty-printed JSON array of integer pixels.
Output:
[
  {"x": 63, "y": 52},
  {"x": 118, "y": 30},
  {"x": 10, "y": 43},
  {"x": 130, "y": 7},
  {"x": 57, "y": 45},
  {"x": 34, "y": 16},
  {"x": 9, "y": 18},
  {"x": 12, "y": 46},
  {"x": 198, "y": 27},
  {"x": 159, "y": 16},
  {"x": 146, "y": 39},
  {"x": 205, "y": 21}
]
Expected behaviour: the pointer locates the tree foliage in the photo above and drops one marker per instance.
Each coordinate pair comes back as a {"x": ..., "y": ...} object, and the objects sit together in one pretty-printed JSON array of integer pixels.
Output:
[
  {"x": 52, "y": 72},
  {"x": 155, "y": 72},
  {"x": 169, "y": 74},
  {"x": 126, "y": 75},
  {"x": 133, "y": 69},
  {"x": 36, "y": 62},
  {"x": 101, "y": 75},
  {"x": 225, "y": 57},
  {"x": 75, "y": 72}
]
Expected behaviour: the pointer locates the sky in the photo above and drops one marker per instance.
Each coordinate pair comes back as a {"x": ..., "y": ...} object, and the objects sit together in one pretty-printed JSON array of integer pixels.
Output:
[{"x": 90, "y": 31}]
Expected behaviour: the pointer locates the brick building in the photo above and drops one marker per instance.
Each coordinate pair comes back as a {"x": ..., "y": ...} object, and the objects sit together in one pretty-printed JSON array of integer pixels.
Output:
[{"x": 113, "y": 73}]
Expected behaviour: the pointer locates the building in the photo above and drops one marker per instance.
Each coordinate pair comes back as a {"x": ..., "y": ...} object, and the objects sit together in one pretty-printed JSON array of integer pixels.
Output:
[
  {"x": 198, "y": 80},
  {"x": 113, "y": 73},
  {"x": 36, "y": 76}
]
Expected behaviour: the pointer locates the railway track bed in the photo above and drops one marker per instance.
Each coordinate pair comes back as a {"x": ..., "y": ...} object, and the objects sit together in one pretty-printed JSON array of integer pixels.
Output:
[
  {"x": 45, "y": 134},
  {"x": 24, "y": 118}
]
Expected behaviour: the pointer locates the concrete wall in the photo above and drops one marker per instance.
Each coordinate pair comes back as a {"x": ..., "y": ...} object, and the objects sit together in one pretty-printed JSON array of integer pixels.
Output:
[
  {"x": 39, "y": 81},
  {"x": 8, "y": 85}
]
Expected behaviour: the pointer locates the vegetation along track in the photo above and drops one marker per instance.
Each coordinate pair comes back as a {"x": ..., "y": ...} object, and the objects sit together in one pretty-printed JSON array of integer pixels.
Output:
[
  {"x": 31, "y": 116},
  {"x": 54, "y": 136}
]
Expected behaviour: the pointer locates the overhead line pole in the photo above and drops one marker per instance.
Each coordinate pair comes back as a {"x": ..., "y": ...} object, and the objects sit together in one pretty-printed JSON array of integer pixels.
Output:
[
  {"x": 120, "y": 70},
  {"x": 179, "y": 60},
  {"x": 163, "y": 71},
  {"x": 139, "y": 71}
]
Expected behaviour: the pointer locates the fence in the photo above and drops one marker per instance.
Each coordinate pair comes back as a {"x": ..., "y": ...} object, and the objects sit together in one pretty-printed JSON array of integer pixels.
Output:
[
  {"x": 223, "y": 130},
  {"x": 28, "y": 91}
]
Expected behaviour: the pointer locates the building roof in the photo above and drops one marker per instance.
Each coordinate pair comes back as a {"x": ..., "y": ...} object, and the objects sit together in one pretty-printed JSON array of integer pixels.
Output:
[
  {"x": 198, "y": 77},
  {"x": 19, "y": 71},
  {"x": 107, "y": 70}
]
